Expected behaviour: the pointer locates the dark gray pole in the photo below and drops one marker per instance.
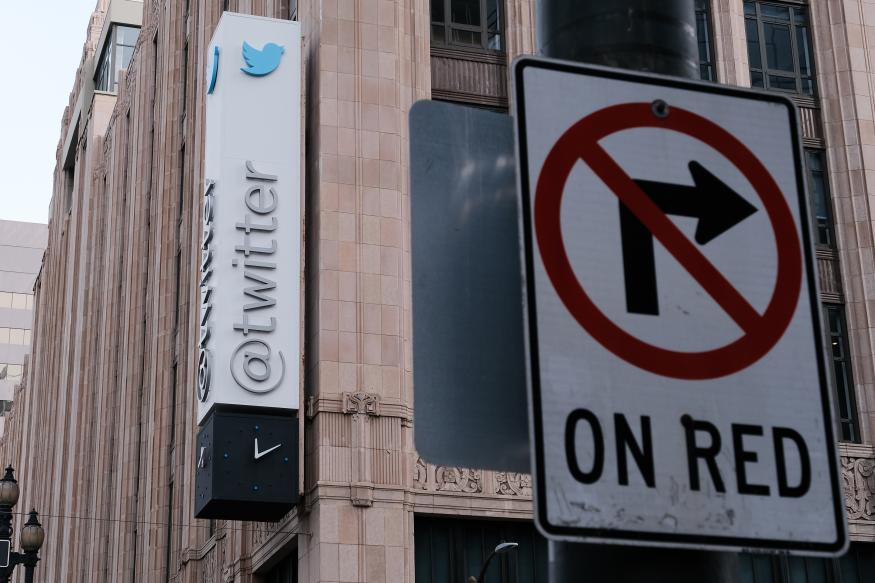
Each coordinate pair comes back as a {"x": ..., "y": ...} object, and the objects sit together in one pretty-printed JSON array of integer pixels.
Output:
[{"x": 658, "y": 36}]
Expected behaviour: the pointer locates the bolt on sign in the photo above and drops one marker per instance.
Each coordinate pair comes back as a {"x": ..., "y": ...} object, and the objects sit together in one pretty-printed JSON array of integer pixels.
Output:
[{"x": 675, "y": 354}]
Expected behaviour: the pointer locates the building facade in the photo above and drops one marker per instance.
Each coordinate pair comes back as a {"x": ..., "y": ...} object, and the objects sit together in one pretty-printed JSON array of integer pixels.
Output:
[
  {"x": 102, "y": 434},
  {"x": 21, "y": 254}
]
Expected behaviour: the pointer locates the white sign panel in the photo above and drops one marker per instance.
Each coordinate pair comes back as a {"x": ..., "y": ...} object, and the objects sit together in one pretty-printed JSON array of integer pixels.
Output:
[
  {"x": 676, "y": 360},
  {"x": 251, "y": 257}
]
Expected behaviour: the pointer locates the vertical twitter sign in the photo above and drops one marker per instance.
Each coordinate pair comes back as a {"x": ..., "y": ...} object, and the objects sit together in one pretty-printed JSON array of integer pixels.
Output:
[{"x": 249, "y": 345}]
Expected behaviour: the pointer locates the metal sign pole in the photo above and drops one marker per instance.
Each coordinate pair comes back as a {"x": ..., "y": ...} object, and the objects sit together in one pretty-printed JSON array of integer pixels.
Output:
[{"x": 658, "y": 36}]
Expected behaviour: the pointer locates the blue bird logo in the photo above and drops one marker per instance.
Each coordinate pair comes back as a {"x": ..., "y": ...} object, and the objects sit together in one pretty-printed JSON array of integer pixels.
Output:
[{"x": 263, "y": 62}]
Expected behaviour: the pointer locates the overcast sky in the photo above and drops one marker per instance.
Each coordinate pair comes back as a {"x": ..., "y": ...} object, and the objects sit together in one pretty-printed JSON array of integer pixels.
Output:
[{"x": 43, "y": 42}]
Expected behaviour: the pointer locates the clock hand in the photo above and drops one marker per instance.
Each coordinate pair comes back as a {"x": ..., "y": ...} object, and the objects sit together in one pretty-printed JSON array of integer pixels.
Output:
[{"x": 260, "y": 454}]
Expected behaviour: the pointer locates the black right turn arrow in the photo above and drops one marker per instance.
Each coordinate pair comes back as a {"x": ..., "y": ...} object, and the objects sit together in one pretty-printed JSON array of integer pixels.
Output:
[{"x": 718, "y": 208}]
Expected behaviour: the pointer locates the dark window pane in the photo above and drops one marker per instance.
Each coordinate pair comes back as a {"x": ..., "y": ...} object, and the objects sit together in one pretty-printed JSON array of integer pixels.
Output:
[
  {"x": 799, "y": 16},
  {"x": 756, "y": 79},
  {"x": 422, "y": 554},
  {"x": 466, "y": 37},
  {"x": 817, "y": 184},
  {"x": 753, "y": 43},
  {"x": 849, "y": 569},
  {"x": 703, "y": 34},
  {"x": 804, "y": 50},
  {"x": 437, "y": 33},
  {"x": 817, "y": 570},
  {"x": 776, "y": 12},
  {"x": 808, "y": 86},
  {"x": 437, "y": 10},
  {"x": 493, "y": 24},
  {"x": 796, "y": 566},
  {"x": 782, "y": 83},
  {"x": 779, "y": 55},
  {"x": 764, "y": 569},
  {"x": 844, "y": 384},
  {"x": 466, "y": 12},
  {"x": 750, "y": 9}
]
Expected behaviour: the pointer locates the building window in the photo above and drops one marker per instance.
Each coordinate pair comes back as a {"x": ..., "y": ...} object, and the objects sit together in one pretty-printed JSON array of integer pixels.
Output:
[
  {"x": 5, "y": 407},
  {"x": 16, "y": 301},
  {"x": 10, "y": 372},
  {"x": 116, "y": 56},
  {"x": 454, "y": 550},
  {"x": 818, "y": 186},
  {"x": 856, "y": 566},
  {"x": 469, "y": 24},
  {"x": 706, "y": 40},
  {"x": 286, "y": 571},
  {"x": 17, "y": 336},
  {"x": 779, "y": 47},
  {"x": 842, "y": 373}
]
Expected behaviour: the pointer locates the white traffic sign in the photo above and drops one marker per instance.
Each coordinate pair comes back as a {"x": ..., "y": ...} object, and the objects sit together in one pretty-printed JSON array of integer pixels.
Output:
[{"x": 676, "y": 360}]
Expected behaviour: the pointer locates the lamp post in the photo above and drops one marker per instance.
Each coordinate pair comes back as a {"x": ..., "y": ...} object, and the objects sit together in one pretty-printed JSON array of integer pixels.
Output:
[
  {"x": 500, "y": 549},
  {"x": 32, "y": 534}
]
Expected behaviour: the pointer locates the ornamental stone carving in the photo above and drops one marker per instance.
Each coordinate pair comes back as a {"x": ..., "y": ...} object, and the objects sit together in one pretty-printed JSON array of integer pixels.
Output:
[
  {"x": 420, "y": 475},
  {"x": 361, "y": 404},
  {"x": 858, "y": 477},
  {"x": 452, "y": 479},
  {"x": 513, "y": 484}
]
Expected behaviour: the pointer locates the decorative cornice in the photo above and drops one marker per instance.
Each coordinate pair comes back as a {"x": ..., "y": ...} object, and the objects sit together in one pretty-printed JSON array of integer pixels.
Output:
[
  {"x": 858, "y": 479},
  {"x": 343, "y": 403},
  {"x": 361, "y": 403}
]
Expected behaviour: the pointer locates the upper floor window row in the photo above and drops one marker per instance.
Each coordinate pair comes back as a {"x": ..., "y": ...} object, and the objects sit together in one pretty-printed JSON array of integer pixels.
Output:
[
  {"x": 779, "y": 47},
  {"x": 16, "y": 301},
  {"x": 116, "y": 56},
  {"x": 19, "y": 336},
  {"x": 10, "y": 372},
  {"x": 467, "y": 24}
]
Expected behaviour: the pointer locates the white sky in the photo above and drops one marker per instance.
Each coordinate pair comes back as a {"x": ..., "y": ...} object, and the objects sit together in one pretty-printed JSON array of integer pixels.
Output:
[{"x": 42, "y": 42}]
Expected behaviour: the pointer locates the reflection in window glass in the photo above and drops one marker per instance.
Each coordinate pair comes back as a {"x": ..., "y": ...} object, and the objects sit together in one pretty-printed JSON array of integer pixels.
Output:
[
  {"x": 29, "y": 301},
  {"x": 467, "y": 23},
  {"x": 493, "y": 24},
  {"x": 16, "y": 336},
  {"x": 466, "y": 12},
  {"x": 703, "y": 34},
  {"x": 116, "y": 56},
  {"x": 820, "y": 197},
  {"x": 844, "y": 382},
  {"x": 776, "y": 12},
  {"x": 778, "y": 52}
]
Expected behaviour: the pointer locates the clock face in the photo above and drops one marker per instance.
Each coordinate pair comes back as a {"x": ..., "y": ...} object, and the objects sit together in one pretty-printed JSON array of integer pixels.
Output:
[{"x": 246, "y": 462}]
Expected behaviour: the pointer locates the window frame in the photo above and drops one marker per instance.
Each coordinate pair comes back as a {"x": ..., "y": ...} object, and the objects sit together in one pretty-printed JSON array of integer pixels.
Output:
[
  {"x": 108, "y": 58},
  {"x": 846, "y": 394},
  {"x": 762, "y": 67},
  {"x": 483, "y": 28},
  {"x": 829, "y": 227},
  {"x": 703, "y": 12}
]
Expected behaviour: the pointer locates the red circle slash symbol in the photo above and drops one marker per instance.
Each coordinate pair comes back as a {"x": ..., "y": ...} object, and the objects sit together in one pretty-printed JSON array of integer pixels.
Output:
[{"x": 761, "y": 332}]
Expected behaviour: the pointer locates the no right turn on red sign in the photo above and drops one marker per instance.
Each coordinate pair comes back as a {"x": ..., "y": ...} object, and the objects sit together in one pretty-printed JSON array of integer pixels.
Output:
[{"x": 679, "y": 388}]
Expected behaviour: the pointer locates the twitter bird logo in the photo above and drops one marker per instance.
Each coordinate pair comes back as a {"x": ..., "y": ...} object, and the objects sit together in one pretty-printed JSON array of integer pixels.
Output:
[{"x": 263, "y": 62}]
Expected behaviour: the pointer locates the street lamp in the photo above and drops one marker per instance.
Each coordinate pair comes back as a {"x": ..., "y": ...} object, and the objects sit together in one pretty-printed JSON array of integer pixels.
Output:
[
  {"x": 500, "y": 549},
  {"x": 32, "y": 534}
]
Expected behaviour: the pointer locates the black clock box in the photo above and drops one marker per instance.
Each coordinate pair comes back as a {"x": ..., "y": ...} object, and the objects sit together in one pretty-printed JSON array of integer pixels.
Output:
[{"x": 239, "y": 478}]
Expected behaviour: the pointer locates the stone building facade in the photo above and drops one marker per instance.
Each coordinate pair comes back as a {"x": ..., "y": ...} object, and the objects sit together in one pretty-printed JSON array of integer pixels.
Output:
[{"x": 102, "y": 434}]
